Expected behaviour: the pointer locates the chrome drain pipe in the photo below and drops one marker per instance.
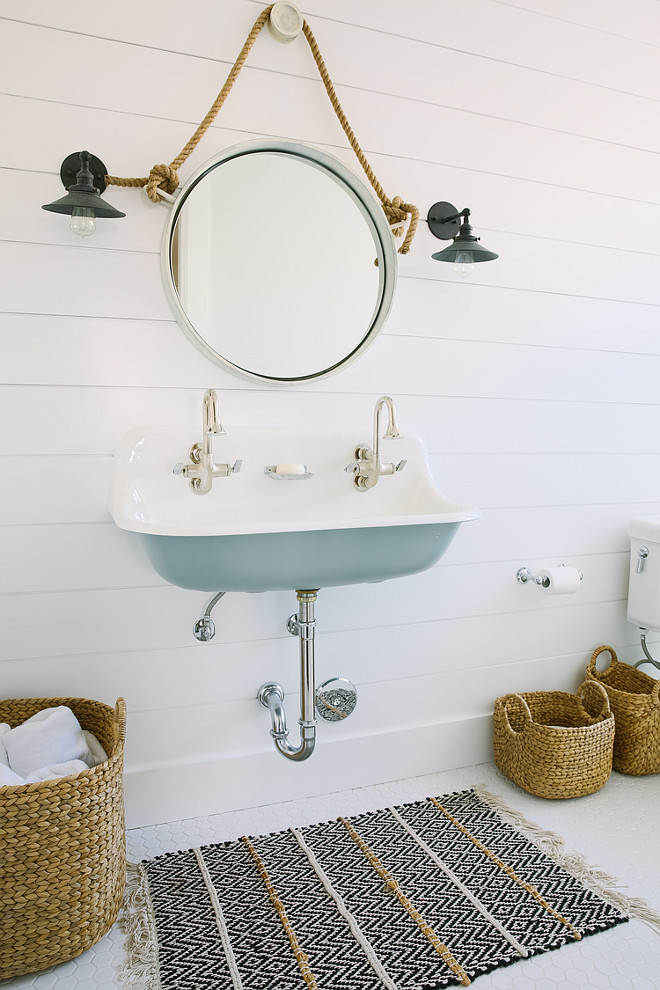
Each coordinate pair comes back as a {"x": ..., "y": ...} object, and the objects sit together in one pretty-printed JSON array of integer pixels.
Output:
[{"x": 271, "y": 694}]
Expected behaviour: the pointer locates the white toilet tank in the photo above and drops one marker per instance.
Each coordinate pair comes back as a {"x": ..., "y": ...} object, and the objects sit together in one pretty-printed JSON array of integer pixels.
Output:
[{"x": 644, "y": 582}]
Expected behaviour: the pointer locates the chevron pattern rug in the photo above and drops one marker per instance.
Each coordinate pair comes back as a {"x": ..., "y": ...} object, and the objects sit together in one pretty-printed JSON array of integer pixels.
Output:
[{"x": 414, "y": 897}]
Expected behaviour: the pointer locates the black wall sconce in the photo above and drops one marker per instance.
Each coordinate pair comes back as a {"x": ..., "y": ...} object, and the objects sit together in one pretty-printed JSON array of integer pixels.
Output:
[
  {"x": 83, "y": 176},
  {"x": 444, "y": 222}
]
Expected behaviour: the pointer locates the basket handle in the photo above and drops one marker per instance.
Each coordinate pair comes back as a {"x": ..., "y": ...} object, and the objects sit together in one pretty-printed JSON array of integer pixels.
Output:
[
  {"x": 525, "y": 708},
  {"x": 655, "y": 693},
  {"x": 591, "y": 685},
  {"x": 120, "y": 720},
  {"x": 591, "y": 666}
]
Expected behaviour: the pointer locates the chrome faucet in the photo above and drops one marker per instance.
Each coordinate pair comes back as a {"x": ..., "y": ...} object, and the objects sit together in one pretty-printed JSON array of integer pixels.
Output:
[
  {"x": 368, "y": 468},
  {"x": 203, "y": 470}
]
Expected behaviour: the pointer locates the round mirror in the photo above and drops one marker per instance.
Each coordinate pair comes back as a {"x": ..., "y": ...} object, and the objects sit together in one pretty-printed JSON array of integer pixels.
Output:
[{"x": 279, "y": 262}]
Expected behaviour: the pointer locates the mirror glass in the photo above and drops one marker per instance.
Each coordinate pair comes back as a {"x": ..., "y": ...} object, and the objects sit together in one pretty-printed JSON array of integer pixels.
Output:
[{"x": 279, "y": 262}]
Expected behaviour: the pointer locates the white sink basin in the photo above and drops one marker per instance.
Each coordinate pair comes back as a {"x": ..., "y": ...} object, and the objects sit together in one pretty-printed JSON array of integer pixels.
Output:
[{"x": 253, "y": 532}]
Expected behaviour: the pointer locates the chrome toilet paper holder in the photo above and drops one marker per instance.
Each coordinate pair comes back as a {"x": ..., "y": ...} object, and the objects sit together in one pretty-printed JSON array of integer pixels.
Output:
[{"x": 525, "y": 576}]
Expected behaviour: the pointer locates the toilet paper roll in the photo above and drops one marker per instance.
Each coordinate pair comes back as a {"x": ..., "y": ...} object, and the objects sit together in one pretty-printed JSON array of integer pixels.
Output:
[{"x": 563, "y": 580}]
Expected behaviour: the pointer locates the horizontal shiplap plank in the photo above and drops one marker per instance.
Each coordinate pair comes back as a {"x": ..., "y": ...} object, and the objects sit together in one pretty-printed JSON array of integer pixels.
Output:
[
  {"x": 135, "y": 619},
  {"x": 585, "y": 41},
  {"x": 125, "y": 143},
  {"x": 635, "y": 20},
  {"x": 523, "y": 442},
  {"x": 126, "y": 285},
  {"x": 78, "y": 489},
  {"x": 481, "y": 590},
  {"x": 41, "y": 558},
  {"x": 543, "y": 479},
  {"x": 90, "y": 621},
  {"x": 510, "y": 32},
  {"x": 88, "y": 420},
  {"x": 546, "y": 266},
  {"x": 91, "y": 421},
  {"x": 469, "y": 369},
  {"x": 44, "y": 349},
  {"x": 426, "y": 307},
  {"x": 93, "y": 555},
  {"x": 480, "y": 369},
  {"x": 57, "y": 489},
  {"x": 489, "y": 87},
  {"x": 512, "y": 425},
  {"x": 119, "y": 284},
  {"x": 548, "y": 532},
  {"x": 54, "y": 350},
  {"x": 231, "y": 672}
]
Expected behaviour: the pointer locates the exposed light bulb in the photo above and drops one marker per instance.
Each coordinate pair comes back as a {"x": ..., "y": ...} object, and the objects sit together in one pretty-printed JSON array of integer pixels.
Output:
[
  {"x": 83, "y": 221},
  {"x": 464, "y": 263}
]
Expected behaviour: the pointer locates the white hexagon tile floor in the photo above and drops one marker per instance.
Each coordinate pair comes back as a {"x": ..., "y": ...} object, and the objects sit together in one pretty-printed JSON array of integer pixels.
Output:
[{"x": 616, "y": 829}]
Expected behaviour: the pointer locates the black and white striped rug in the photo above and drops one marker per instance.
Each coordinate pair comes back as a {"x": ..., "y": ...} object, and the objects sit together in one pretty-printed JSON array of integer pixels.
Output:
[{"x": 418, "y": 896}]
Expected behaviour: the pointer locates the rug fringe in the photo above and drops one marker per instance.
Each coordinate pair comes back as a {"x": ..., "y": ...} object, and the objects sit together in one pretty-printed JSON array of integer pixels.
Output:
[
  {"x": 140, "y": 971},
  {"x": 604, "y": 884}
]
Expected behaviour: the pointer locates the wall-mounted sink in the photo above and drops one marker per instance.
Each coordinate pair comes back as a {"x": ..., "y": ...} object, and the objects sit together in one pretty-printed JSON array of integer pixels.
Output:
[{"x": 255, "y": 531}]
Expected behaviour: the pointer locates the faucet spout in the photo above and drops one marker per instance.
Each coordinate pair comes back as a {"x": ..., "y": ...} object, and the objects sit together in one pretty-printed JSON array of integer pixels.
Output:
[
  {"x": 392, "y": 432},
  {"x": 210, "y": 414}
]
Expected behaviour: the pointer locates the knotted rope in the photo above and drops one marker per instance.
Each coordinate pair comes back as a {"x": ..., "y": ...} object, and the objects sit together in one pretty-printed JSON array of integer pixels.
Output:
[{"x": 165, "y": 177}]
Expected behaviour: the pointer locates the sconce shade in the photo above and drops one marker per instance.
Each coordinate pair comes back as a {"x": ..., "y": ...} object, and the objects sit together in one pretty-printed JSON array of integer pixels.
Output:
[
  {"x": 465, "y": 241},
  {"x": 85, "y": 193},
  {"x": 444, "y": 222}
]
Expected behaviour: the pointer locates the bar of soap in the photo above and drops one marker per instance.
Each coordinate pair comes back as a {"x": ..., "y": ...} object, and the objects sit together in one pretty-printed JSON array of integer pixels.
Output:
[{"x": 290, "y": 469}]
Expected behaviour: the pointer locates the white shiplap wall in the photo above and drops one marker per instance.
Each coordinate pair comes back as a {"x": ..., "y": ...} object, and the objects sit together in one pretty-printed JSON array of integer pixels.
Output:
[{"x": 535, "y": 384}]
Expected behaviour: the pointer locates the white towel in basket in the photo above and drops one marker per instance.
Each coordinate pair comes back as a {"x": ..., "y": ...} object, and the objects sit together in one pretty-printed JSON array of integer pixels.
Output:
[
  {"x": 4, "y": 729},
  {"x": 8, "y": 778},
  {"x": 55, "y": 770},
  {"x": 48, "y": 740}
]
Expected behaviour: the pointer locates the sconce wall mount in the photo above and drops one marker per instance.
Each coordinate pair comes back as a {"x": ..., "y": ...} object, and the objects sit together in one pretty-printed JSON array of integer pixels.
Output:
[{"x": 72, "y": 164}]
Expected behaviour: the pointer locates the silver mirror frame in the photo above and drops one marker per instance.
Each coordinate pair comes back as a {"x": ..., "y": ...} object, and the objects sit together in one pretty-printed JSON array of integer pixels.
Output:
[{"x": 369, "y": 208}]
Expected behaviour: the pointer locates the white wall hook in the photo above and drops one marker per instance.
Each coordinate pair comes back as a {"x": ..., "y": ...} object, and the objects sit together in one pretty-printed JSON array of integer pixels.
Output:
[{"x": 285, "y": 22}]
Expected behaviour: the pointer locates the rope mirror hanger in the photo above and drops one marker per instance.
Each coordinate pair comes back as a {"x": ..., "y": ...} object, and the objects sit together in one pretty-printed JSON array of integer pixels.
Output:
[{"x": 165, "y": 179}]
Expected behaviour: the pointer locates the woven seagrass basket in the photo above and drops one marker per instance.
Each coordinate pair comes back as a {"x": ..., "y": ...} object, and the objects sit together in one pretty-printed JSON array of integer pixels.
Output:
[
  {"x": 62, "y": 848},
  {"x": 635, "y": 701},
  {"x": 554, "y": 744}
]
